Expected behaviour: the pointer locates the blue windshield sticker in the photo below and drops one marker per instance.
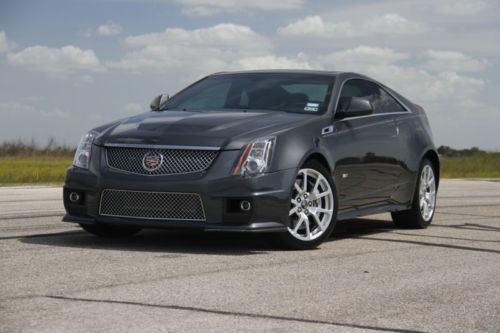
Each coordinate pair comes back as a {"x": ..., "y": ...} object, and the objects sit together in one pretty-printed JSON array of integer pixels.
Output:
[{"x": 311, "y": 107}]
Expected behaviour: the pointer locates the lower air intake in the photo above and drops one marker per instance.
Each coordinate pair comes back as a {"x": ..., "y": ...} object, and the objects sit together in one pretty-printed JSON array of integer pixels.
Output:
[{"x": 152, "y": 205}]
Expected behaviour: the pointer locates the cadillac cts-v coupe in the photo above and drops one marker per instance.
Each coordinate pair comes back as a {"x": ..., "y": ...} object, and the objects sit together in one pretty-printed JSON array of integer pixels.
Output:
[{"x": 288, "y": 152}]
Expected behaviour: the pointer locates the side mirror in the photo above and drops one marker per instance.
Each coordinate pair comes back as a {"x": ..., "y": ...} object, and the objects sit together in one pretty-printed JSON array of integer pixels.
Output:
[
  {"x": 158, "y": 102},
  {"x": 353, "y": 107}
]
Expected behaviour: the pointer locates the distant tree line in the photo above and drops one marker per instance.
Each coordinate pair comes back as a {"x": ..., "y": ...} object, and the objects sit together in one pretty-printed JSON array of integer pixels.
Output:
[
  {"x": 447, "y": 151},
  {"x": 21, "y": 148}
]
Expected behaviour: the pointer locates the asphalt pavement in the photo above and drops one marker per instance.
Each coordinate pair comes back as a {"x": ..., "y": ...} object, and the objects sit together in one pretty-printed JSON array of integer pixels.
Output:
[{"x": 368, "y": 277}]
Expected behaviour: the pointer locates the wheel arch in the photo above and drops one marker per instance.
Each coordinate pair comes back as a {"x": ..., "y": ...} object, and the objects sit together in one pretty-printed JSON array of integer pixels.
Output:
[{"x": 319, "y": 157}]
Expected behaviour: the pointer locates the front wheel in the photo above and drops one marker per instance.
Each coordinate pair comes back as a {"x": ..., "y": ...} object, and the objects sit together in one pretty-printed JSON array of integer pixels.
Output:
[
  {"x": 109, "y": 231},
  {"x": 313, "y": 208},
  {"x": 420, "y": 214}
]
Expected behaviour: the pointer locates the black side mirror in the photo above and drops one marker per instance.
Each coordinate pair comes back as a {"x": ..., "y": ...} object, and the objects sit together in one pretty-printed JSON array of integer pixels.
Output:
[
  {"x": 353, "y": 107},
  {"x": 158, "y": 102}
]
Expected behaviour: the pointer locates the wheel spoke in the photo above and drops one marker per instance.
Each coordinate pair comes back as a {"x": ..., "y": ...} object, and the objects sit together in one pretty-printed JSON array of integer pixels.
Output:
[
  {"x": 432, "y": 198},
  {"x": 318, "y": 222},
  {"x": 304, "y": 185},
  {"x": 431, "y": 181},
  {"x": 323, "y": 194},
  {"x": 308, "y": 228},
  {"x": 424, "y": 177},
  {"x": 292, "y": 211},
  {"x": 297, "y": 187},
  {"x": 316, "y": 185},
  {"x": 324, "y": 210},
  {"x": 299, "y": 223}
]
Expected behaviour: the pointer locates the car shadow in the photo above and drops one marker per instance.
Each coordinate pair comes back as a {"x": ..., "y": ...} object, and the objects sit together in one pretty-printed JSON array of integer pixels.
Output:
[{"x": 197, "y": 242}]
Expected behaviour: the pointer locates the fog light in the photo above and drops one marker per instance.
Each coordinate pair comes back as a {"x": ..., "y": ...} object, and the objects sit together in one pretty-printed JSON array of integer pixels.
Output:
[
  {"x": 245, "y": 205},
  {"x": 74, "y": 197}
]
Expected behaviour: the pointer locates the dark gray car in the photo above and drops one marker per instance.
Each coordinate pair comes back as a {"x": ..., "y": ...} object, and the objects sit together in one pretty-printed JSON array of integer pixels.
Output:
[{"x": 289, "y": 152}]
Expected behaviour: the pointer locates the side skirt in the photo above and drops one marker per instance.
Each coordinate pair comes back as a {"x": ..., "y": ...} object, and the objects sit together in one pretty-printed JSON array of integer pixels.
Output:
[{"x": 357, "y": 212}]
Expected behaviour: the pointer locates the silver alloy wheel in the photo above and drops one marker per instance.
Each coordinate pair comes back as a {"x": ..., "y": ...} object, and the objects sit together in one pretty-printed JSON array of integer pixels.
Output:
[
  {"x": 427, "y": 193},
  {"x": 312, "y": 205}
]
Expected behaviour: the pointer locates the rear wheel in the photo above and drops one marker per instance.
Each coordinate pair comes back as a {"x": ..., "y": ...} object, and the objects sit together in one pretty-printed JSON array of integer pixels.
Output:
[
  {"x": 420, "y": 214},
  {"x": 313, "y": 208},
  {"x": 110, "y": 231}
]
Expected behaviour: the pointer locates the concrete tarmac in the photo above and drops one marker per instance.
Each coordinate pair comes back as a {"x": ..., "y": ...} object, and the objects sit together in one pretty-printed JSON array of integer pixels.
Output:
[{"x": 368, "y": 277}]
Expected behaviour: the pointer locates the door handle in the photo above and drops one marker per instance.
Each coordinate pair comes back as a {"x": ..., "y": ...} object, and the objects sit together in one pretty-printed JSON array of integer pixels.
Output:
[{"x": 397, "y": 132}]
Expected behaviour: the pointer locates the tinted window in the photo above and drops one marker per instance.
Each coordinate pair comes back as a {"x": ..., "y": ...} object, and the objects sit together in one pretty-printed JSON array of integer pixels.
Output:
[
  {"x": 384, "y": 103},
  {"x": 305, "y": 93},
  {"x": 214, "y": 96},
  {"x": 381, "y": 101}
]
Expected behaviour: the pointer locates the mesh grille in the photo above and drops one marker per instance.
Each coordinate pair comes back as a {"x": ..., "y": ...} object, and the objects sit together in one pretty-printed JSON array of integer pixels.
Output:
[
  {"x": 174, "y": 161},
  {"x": 152, "y": 205}
]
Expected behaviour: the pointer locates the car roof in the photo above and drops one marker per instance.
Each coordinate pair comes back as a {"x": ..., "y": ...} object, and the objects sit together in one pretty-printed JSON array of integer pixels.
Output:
[{"x": 288, "y": 71}]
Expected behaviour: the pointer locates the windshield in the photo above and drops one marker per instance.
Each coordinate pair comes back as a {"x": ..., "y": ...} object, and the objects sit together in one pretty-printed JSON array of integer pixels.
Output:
[{"x": 305, "y": 93}]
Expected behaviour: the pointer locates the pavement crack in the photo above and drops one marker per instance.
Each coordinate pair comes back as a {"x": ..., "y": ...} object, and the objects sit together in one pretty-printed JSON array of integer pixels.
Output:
[{"x": 232, "y": 313}]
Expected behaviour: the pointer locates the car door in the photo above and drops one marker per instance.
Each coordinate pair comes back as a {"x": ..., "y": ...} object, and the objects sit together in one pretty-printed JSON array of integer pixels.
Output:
[{"x": 365, "y": 149}]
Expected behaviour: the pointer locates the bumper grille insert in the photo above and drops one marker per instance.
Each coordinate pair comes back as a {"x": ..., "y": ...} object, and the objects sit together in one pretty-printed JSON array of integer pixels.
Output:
[
  {"x": 173, "y": 161},
  {"x": 152, "y": 205}
]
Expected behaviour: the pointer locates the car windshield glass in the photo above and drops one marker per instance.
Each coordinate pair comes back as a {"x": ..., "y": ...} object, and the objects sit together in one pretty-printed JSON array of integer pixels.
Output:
[{"x": 305, "y": 93}]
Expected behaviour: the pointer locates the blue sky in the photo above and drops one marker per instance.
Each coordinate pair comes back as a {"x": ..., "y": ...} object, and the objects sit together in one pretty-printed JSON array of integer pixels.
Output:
[{"x": 67, "y": 66}]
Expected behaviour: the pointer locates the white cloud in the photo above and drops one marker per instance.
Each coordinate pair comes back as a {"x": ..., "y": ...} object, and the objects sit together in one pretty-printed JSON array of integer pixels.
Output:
[
  {"x": 109, "y": 29},
  {"x": 6, "y": 45},
  {"x": 387, "y": 24},
  {"x": 453, "y": 61},
  {"x": 418, "y": 84},
  {"x": 57, "y": 62},
  {"x": 310, "y": 25},
  {"x": 212, "y": 7},
  {"x": 198, "y": 51},
  {"x": 361, "y": 56},
  {"x": 220, "y": 35},
  {"x": 274, "y": 62}
]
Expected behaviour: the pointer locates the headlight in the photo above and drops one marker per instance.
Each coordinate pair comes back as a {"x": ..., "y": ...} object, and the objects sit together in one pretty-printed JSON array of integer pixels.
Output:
[
  {"x": 255, "y": 157},
  {"x": 82, "y": 155}
]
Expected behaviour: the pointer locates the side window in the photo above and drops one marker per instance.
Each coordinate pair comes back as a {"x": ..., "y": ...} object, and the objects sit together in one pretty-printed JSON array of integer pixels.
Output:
[
  {"x": 385, "y": 103},
  {"x": 213, "y": 97},
  {"x": 381, "y": 101},
  {"x": 355, "y": 88}
]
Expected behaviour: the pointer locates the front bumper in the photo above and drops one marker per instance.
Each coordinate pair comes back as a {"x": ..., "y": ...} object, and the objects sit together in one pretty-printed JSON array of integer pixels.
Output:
[{"x": 268, "y": 193}]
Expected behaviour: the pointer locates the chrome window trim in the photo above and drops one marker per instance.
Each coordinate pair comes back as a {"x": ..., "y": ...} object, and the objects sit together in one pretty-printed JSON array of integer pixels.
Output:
[
  {"x": 173, "y": 147},
  {"x": 374, "y": 115},
  {"x": 408, "y": 110},
  {"x": 152, "y": 218}
]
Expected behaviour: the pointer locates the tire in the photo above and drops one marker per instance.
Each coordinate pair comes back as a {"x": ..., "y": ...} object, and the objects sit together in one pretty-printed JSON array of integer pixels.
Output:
[
  {"x": 110, "y": 231},
  {"x": 421, "y": 213},
  {"x": 311, "y": 219}
]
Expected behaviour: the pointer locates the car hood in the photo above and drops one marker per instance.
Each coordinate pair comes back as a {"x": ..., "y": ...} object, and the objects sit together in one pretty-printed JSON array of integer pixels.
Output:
[{"x": 223, "y": 129}]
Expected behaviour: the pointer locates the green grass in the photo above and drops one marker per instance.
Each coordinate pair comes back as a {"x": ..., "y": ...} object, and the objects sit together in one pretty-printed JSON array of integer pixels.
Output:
[
  {"x": 481, "y": 165},
  {"x": 33, "y": 169},
  {"x": 47, "y": 169}
]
